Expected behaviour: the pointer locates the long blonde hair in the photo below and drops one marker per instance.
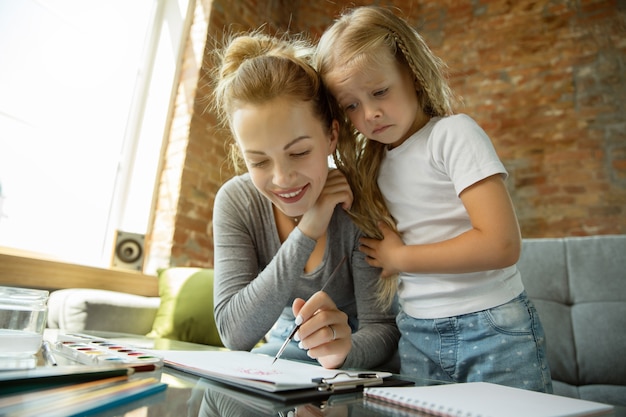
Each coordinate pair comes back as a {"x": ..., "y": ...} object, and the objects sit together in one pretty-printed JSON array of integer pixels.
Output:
[
  {"x": 355, "y": 41},
  {"x": 253, "y": 68}
]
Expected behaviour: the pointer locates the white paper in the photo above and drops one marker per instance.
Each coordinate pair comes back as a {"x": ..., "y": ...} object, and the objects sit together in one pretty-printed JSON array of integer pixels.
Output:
[{"x": 253, "y": 370}]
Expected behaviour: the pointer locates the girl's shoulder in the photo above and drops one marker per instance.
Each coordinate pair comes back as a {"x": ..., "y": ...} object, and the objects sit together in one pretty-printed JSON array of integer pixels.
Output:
[
  {"x": 455, "y": 122},
  {"x": 457, "y": 127}
]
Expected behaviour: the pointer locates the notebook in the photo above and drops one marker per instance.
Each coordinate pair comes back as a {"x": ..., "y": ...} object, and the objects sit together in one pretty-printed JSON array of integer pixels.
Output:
[{"x": 482, "y": 399}]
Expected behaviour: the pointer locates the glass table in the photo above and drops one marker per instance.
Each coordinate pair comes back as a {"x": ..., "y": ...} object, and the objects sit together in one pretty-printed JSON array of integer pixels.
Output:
[{"x": 190, "y": 396}]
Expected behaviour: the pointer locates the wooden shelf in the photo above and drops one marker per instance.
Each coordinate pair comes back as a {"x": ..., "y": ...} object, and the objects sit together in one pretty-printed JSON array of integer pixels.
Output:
[{"x": 18, "y": 270}]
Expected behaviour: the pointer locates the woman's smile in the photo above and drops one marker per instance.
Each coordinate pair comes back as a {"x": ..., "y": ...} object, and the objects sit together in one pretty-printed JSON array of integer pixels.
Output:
[{"x": 291, "y": 196}]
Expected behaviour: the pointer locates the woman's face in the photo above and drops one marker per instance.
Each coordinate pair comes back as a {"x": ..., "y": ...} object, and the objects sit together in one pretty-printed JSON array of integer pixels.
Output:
[{"x": 286, "y": 148}]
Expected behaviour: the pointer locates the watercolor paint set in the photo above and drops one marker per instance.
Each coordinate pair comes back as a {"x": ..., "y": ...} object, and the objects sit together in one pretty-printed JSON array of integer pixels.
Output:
[{"x": 92, "y": 350}]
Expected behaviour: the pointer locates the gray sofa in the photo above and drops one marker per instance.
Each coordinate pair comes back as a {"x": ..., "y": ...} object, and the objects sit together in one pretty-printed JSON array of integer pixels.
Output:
[
  {"x": 79, "y": 309},
  {"x": 578, "y": 285}
]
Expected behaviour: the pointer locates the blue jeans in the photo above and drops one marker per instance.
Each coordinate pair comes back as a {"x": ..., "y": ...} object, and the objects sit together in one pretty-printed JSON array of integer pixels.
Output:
[
  {"x": 277, "y": 337},
  {"x": 504, "y": 345}
]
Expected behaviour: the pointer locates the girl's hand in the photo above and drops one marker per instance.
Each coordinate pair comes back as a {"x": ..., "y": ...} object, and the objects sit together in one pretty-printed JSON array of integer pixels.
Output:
[
  {"x": 314, "y": 222},
  {"x": 493, "y": 241},
  {"x": 382, "y": 253},
  {"x": 324, "y": 331}
]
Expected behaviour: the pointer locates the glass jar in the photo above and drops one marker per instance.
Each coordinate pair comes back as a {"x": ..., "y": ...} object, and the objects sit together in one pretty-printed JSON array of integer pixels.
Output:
[{"x": 23, "y": 314}]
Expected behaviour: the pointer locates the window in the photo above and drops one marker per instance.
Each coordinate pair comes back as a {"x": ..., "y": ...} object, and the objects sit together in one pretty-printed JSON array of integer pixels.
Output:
[{"x": 86, "y": 87}]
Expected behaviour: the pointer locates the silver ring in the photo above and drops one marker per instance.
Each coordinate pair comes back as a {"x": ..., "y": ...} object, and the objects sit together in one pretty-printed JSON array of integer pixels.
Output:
[{"x": 334, "y": 334}]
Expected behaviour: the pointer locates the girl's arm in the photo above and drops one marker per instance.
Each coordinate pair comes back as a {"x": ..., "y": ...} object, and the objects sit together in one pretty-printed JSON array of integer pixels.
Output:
[{"x": 493, "y": 242}]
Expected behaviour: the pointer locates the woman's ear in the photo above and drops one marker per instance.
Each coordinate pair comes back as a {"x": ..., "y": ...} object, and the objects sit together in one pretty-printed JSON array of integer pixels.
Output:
[{"x": 334, "y": 136}]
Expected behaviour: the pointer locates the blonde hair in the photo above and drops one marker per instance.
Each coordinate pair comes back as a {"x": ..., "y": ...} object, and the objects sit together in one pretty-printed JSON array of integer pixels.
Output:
[
  {"x": 253, "y": 68},
  {"x": 356, "y": 41}
]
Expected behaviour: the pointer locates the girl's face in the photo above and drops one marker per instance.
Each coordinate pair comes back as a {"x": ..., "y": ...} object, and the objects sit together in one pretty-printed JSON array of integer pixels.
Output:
[
  {"x": 286, "y": 148},
  {"x": 381, "y": 102}
]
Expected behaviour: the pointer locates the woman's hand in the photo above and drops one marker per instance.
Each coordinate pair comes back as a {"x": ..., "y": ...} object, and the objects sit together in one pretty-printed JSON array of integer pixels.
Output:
[
  {"x": 314, "y": 222},
  {"x": 324, "y": 332}
]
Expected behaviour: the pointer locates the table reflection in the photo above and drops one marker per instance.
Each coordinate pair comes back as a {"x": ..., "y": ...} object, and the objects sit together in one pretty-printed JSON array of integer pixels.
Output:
[{"x": 220, "y": 400}]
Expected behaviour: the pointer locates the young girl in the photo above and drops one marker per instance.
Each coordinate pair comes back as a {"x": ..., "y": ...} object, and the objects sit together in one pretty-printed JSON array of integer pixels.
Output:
[
  {"x": 281, "y": 229},
  {"x": 465, "y": 315}
]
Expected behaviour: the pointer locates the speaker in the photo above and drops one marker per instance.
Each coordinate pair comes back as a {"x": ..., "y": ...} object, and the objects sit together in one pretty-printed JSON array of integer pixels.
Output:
[{"x": 129, "y": 251}]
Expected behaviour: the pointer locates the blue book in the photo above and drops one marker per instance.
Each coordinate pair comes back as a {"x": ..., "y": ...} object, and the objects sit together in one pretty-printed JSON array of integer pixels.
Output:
[{"x": 80, "y": 399}]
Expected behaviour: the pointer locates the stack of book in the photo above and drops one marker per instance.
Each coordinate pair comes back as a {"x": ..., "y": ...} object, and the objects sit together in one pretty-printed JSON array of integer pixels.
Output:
[{"x": 71, "y": 390}]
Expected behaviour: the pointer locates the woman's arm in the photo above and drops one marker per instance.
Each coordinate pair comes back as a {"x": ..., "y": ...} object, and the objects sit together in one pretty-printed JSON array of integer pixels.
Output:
[
  {"x": 375, "y": 340},
  {"x": 248, "y": 302}
]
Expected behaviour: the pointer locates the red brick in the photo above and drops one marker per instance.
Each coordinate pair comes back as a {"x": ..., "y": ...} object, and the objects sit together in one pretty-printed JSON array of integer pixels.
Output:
[{"x": 540, "y": 77}]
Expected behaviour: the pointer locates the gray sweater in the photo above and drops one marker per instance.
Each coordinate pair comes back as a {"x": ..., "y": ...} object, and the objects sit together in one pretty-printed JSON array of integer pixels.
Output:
[{"x": 257, "y": 278}]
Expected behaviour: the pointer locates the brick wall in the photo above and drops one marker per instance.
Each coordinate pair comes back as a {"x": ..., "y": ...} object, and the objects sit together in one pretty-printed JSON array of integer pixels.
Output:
[
  {"x": 545, "y": 79},
  {"x": 194, "y": 161}
]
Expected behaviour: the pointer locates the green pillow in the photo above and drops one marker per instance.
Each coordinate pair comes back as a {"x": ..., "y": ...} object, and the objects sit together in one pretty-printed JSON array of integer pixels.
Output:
[{"x": 186, "y": 310}]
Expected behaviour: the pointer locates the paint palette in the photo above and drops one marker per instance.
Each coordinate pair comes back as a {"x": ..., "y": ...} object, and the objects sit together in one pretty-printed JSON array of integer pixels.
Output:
[{"x": 91, "y": 350}]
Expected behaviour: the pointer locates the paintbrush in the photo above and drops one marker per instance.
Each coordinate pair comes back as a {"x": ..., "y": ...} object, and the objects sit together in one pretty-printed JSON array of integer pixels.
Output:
[{"x": 295, "y": 329}]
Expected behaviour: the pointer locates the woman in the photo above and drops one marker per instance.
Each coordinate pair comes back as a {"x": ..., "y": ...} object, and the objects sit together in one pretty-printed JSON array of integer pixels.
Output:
[{"x": 282, "y": 228}]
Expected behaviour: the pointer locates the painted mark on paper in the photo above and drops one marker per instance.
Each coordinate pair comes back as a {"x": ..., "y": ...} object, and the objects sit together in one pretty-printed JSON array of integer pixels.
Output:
[{"x": 258, "y": 372}]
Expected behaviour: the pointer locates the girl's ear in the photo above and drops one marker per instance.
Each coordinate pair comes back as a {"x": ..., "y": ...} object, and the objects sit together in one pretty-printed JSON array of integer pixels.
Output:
[{"x": 334, "y": 137}]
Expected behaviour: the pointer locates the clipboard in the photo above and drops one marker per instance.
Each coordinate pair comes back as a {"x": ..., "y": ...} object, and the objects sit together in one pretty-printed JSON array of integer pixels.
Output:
[
  {"x": 284, "y": 380},
  {"x": 307, "y": 395},
  {"x": 322, "y": 391},
  {"x": 276, "y": 402}
]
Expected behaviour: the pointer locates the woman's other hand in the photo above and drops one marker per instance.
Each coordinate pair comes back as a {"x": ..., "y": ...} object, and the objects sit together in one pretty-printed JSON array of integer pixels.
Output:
[{"x": 314, "y": 222}]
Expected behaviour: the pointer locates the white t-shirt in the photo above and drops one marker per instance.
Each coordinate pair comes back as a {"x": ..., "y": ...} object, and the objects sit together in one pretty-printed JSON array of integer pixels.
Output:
[{"x": 421, "y": 181}]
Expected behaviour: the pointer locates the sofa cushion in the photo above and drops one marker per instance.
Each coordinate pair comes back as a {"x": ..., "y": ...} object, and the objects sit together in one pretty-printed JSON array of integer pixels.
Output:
[
  {"x": 597, "y": 269},
  {"x": 543, "y": 265},
  {"x": 578, "y": 285},
  {"x": 80, "y": 309},
  {"x": 186, "y": 310}
]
